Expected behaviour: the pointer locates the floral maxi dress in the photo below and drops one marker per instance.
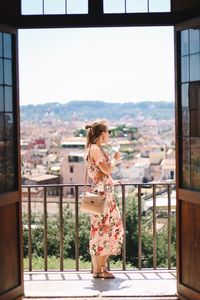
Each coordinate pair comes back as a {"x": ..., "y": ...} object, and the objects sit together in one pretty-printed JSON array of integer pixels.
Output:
[{"x": 106, "y": 234}]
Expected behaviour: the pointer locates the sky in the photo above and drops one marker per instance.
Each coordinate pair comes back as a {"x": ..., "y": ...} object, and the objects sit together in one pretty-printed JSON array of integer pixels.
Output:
[{"x": 109, "y": 64}]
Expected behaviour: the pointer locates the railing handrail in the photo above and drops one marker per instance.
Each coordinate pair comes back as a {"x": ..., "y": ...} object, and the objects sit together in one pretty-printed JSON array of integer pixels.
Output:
[{"x": 82, "y": 184}]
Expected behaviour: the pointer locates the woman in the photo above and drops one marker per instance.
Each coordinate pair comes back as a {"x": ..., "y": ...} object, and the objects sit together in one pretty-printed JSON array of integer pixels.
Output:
[{"x": 106, "y": 235}]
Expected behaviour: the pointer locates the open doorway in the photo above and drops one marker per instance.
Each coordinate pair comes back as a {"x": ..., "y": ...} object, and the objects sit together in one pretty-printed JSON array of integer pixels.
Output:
[{"x": 124, "y": 75}]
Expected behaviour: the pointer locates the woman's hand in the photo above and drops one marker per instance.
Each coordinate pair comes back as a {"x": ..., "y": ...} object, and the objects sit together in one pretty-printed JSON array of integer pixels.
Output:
[{"x": 117, "y": 156}]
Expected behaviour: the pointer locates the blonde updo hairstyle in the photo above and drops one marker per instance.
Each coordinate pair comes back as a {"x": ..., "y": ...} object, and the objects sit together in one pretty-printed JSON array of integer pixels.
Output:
[{"x": 94, "y": 131}]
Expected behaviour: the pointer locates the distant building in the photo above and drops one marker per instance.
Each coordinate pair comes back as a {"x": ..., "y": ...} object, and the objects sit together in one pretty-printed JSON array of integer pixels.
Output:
[
  {"x": 73, "y": 143},
  {"x": 42, "y": 180},
  {"x": 168, "y": 169},
  {"x": 73, "y": 170}
]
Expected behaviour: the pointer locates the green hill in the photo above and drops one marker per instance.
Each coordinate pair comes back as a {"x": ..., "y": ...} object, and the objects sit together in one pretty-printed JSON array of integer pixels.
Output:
[{"x": 90, "y": 110}]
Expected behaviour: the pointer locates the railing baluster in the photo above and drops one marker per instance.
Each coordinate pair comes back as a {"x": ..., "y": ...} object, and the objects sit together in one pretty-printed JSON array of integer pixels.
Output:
[
  {"x": 169, "y": 225},
  {"x": 61, "y": 226},
  {"x": 124, "y": 224},
  {"x": 139, "y": 229},
  {"x": 76, "y": 229},
  {"x": 45, "y": 229},
  {"x": 29, "y": 231},
  {"x": 154, "y": 227}
]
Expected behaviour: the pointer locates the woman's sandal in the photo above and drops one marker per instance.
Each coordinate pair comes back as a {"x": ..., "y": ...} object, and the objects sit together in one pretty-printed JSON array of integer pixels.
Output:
[{"x": 105, "y": 274}]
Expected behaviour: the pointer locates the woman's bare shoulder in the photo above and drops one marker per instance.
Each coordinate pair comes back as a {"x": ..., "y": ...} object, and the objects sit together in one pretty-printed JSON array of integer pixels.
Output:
[{"x": 94, "y": 148}]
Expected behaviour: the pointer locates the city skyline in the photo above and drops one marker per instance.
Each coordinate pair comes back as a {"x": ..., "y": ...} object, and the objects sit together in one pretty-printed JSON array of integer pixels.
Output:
[{"x": 108, "y": 64}]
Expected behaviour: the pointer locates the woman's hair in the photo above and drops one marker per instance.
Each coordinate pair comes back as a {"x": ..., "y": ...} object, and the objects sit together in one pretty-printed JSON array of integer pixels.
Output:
[{"x": 94, "y": 130}]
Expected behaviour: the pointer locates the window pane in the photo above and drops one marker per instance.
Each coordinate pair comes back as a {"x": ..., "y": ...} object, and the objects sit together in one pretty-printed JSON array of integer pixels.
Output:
[
  {"x": 159, "y": 6},
  {"x": 30, "y": 7},
  {"x": 185, "y": 173},
  {"x": 10, "y": 166},
  {"x": 77, "y": 6},
  {"x": 9, "y": 126},
  {"x": 1, "y": 43},
  {"x": 8, "y": 72},
  {"x": 185, "y": 68},
  {"x": 1, "y": 99},
  {"x": 54, "y": 7},
  {"x": 195, "y": 67},
  {"x": 184, "y": 95},
  {"x": 184, "y": 42},
  {"x": 7, "y": 45},
  {"x": 2, "y": 132},
  {"x": 195, "y": 123},
  {"x": 194, "y": 95},
  {"x": 186, "y": 150},
  {"x": 185, "y": 122},
  {"x": 1, "y": 71},
  {"x": 136, "y": 6},
  {"x": 194, "y": 40},
  {"x": 114, "y": 6},
  {"x": 195, "y": 163},
  {"x": 8, "y": 99},
  {"x": 2, "y": 174}
]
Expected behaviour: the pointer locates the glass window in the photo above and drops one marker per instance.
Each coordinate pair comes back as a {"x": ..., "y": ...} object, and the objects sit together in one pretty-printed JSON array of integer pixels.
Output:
[
  {"x": 185, "y": 175},
  {"x": 9, "y": 126},
  {"x": 184, "y": 42},
  {"x": 77, "y": 6},
  {"x": 8, "y": 99},
  {"x": 195, "y": 67},
  {"x": 114, "y": 6},
  {"x": 195, "y": 163},
  {"x": 195, "y": 123},
  {"x": 54, "y": 7},
  {"x": 7, "y": 48},
  {"x": 1, "y": 99},
  {"x": 194, "y": 95},
  {"x": 2, "y": 173},
  {"x": 7, "y": 71},
  {"x": 194, "y": 40},
  {"x": 1, "y": 44},
  {"x": 185, "y": 68},
  {"x": 30, "y": 7},
  {"x": 2, "y": 129},
  {"x": 159, "y": 6},
  {"x": 2, "y": 150},
  {"x": 186, "y": 150},
  {"x": 185, "y": 122},
  {"x": 133, "y": 6},
  {"x": 184, "y": 95},
  {"x": 1, "y": 71},
  {"x": 9, "y": 165}
]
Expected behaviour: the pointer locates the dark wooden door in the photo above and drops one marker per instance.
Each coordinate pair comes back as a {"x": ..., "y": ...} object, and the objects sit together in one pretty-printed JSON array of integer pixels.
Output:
[
  {"x": 187, "y": 41},
  {"x": 11, "y": 271}
]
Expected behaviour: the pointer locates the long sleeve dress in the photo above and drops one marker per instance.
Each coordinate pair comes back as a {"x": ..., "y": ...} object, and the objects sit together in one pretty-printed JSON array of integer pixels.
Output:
[{"x": 106, "y": 234}]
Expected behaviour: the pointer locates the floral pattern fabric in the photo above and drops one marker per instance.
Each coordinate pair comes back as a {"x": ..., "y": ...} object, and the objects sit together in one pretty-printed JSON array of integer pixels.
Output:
[{"x": 106, "y": 234}]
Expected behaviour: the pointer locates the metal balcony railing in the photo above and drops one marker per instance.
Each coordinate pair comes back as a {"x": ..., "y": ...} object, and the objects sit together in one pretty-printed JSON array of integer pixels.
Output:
[{"x": 141, "y": 193}]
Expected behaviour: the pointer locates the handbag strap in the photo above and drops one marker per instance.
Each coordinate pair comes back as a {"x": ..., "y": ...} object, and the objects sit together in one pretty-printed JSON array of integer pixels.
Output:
[{"x": 86, "y": 174}]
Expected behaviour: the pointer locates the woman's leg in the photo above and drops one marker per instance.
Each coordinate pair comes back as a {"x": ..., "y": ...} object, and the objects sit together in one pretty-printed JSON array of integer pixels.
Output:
[
  {"x": 104, "y": 271},
  {"x": 96, "y": 265}
]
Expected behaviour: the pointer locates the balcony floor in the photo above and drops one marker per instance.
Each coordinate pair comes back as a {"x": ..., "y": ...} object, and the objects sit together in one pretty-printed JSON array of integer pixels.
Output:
[{"x": 145, "y": 284}]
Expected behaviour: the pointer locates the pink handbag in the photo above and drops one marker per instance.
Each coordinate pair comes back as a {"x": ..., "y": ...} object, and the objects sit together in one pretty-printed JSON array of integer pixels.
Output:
[{"x": 92, "y": 203}]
